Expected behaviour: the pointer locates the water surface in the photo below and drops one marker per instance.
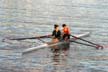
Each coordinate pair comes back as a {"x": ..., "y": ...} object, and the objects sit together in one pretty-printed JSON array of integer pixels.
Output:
[{"x": 26, "y": 18}]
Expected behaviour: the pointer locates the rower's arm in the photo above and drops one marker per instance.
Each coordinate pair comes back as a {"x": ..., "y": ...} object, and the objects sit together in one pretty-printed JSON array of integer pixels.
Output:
[
  {"x": 53, "y": 33},
  {"x": 62, "y": 33},
  {"x": 69, "y": 30}
]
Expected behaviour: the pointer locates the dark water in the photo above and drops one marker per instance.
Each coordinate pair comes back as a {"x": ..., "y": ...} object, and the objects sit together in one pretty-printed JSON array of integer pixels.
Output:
[{"x": 26, "y": 18}]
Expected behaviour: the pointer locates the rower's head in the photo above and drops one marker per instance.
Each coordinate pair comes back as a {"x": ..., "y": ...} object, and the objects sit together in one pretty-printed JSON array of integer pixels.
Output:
[
  {"x": 56, "y": 27},
  {"x": 63, "y": 25}
]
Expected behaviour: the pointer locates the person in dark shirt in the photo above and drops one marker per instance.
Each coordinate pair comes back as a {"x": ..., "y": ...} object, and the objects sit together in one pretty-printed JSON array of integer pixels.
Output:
[{"x": 56, "y": 34}]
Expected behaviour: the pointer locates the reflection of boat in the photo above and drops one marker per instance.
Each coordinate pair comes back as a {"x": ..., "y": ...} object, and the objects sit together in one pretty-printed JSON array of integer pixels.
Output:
[{"x": 56, "y": 44}]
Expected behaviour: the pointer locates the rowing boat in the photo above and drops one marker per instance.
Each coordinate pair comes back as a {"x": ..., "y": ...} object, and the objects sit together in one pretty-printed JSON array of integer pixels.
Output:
[
  {"x": 50, "y": 45},
  {"x": 54, "y": 44}
]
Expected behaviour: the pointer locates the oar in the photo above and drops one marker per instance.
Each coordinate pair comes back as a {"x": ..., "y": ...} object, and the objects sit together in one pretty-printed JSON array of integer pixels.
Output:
[
  {"x": 85, "y": 44},
  {"x": 34, "y": 48},
  {"x": 45, "y": 36},
  {"x": 41, "y": 40},
  {"x": 97, "y": 45}
]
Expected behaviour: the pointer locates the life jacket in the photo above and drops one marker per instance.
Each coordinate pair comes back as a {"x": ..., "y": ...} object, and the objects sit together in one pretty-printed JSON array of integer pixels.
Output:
[{"x": 66, "y": 30}]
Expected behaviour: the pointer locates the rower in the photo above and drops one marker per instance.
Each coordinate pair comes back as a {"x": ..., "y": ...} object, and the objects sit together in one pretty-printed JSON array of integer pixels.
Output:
[
  {"x": 56, "y": 34},
  {"x": 65, "y": 32}
]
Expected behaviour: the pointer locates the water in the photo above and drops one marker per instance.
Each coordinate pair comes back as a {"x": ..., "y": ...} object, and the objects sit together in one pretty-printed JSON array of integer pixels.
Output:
[{"x": 26, "y": 18}]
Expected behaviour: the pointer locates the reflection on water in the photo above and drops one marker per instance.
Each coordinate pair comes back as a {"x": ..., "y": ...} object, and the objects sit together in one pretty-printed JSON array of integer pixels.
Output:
[
  {"x": 59, "y": 58},
  {"x": 27, "y": 18},
  {"x": 64, "y": 50}
]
